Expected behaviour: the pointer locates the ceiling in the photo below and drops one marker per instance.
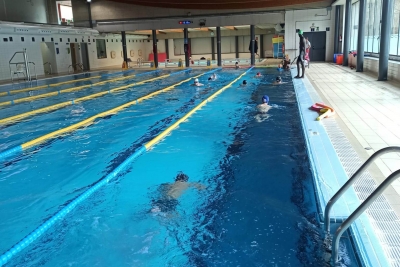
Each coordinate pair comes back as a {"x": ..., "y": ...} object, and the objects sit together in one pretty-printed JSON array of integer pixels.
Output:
[{"x": 217, "y": 4}]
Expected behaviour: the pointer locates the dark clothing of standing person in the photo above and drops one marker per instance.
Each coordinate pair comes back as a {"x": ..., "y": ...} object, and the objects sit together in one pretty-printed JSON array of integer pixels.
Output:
[
  {"x": 255, "y": 46},
  {"x": 300, "y": 59}
]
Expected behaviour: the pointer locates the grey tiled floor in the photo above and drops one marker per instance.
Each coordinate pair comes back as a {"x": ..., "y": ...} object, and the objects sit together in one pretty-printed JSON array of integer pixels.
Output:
[{"x": 369, "y": 111}]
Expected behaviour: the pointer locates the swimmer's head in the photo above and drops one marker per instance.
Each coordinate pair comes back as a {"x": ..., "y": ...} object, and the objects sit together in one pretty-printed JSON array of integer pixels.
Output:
[
  {"x": 280, "y": 66},
  {"x": 265, "y": 99},
  {"x": 196, "y": 80},
  {"x": 181, "y": 177},
  {"x": 258, "y": 74},
  {"x": 300, "y": 32},
  {"x": 209, "y": 78},
  {"x": 237, "y": 63},
  {"x": 244, "y": 82},
  {"x": 278, "y": 79}
]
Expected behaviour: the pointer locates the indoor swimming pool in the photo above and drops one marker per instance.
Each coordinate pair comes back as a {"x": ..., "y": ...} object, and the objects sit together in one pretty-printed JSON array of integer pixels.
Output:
[{"x": 249, "y": 199}]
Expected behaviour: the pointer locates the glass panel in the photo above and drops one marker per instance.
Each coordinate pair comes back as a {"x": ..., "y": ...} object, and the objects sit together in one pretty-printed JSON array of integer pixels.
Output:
[
  {"x": 394, "y": 36},
  {"x": 101, "y": 48}
]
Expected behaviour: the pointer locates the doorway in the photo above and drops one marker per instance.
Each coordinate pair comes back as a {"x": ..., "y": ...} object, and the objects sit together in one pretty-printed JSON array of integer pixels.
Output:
[
  {"x": 85, "y": 56},
  {"x": 318, "y": 45},
  {"x": 49, "y": 57},
  {"x": 76, "y": 57}
]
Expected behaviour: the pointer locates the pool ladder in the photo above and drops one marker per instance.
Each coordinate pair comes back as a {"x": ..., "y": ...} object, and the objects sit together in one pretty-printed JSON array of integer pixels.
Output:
[{"x": 372, "y": 197}]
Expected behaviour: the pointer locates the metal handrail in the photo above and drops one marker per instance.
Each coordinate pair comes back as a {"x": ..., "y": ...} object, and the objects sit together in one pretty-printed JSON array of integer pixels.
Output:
[
  {"x": 25, "y": 55},
  {"x": 51, "y": 69},
  {"x": 352, "y": 180},
  {"x": 346, "y": 224},
  {"x": 34, "y": 69},
  {"x": 80, "y": 65},
  {"x": 374, "y": 195}
]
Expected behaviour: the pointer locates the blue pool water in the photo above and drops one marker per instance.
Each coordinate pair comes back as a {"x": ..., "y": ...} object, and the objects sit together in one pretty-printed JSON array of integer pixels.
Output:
[{"x": 257, "y": 207}]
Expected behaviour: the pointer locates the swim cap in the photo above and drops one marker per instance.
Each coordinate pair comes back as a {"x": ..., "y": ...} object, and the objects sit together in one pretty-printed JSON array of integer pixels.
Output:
[
  {"x": 244, "y": 82},
  {"x": 196, "y": 80},
  {"x": 265, "y": 99},
  {"x": 209, "y": 78},
  {"x": 181, "y": 177},
  {"x": 258, "y": 73},
  {"x": 278, "y": 79}
]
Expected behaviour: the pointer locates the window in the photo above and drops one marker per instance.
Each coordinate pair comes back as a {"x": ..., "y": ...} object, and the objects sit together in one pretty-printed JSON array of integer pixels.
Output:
[
  {"x": 11, "y": 39},
  {"x": 395, "y": 33},
  {"x": 69, "y": 40},
  {"x": 76, "y": 40},
  {"x": 354, "y": 26},
  {"x": 107, "y": 40},
  {"x": 112, "y": 40},
  {"x": 5, "y": 39},
  {"x": 52, "y": 39},
  {"x": 33, "y": 39},
  {"x": 42, "y": 39},
  {"x": 60, "y": 40},
  {"x": 101, "y": 48},
  {"x": 22, "y": 39}
]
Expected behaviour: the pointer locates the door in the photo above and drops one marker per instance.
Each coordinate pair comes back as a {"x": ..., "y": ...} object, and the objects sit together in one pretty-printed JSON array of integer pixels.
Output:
[
  {"x": 49, "y": 57},
  {"x": 318, "y": 45},
  {"x": 73, "y": 55},
  {"x": 85, "y": 56}
]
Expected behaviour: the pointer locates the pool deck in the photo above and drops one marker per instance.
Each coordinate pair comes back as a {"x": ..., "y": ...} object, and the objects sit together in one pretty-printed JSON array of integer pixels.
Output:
[{"x": 365, "y": 122}]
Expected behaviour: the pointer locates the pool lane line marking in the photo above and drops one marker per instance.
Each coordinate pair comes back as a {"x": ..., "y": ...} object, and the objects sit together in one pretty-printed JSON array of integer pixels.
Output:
[
  {"x": 57, "y": 84},
  {"x": 17, "y": 118},
  {"x": 30, "y": 238},
  {"x": 68, "y": 90},
  {"x": 12, "y": 151},
  {"x": 184, "y": 118}
]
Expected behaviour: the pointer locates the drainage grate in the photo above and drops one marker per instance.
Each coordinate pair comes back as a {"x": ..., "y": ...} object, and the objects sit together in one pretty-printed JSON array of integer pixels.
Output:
[{"x": 380, "y": 213}]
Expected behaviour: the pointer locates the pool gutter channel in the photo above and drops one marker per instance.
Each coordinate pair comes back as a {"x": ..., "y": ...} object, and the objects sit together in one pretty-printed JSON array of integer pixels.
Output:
[{"x": 329, "y": 175}]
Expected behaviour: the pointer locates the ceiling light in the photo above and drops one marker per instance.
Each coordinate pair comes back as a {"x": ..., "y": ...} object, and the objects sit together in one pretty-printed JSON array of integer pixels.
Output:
[{"x": 89, "y": 1}]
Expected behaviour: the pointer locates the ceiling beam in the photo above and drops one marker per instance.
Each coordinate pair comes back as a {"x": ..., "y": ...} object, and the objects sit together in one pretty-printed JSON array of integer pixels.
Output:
[{"x": 233, "y": 28}]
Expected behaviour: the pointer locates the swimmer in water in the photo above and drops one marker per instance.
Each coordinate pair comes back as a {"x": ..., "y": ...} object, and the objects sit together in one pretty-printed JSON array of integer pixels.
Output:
[
  {"x": 263, "y": 109},
  {"x": 171, "y": 192},
  {"x": 258, "y": 75},
  {"x": 213, "y": 77},
  {"x": 237, "y": 65},
  {"x": 197, "y": 83},
  {"x": 278, "y": 81},
  {"x": 280, "y": 67},
  {"x": 244, "y": 83}
]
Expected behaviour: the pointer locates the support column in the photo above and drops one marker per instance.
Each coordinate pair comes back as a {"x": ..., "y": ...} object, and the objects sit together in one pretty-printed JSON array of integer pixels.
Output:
[
  {"x": 212, "y": 48},
  {"x": 346, "y": 38},
  {"x": 237, "y": 46},
  {"x": 219, "y": 46},
  {"x": 186, "y": 46},
  {"x": 90, "y": 15},
  {"x": 252, "y": 42},
  {"x": 386, "y": 26},
  {"x": 155, "y": 50},
  {"x": 361, "y": 36},
  {"x": 167, "y": 48},
  {"x": 262, "y": 54},
  {"x": 124, "y": 51},
  {"x": 337, "y": 28}
]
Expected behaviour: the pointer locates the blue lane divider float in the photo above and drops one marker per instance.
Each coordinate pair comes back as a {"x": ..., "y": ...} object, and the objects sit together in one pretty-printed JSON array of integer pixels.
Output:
[{"x": 6, "y": 257}]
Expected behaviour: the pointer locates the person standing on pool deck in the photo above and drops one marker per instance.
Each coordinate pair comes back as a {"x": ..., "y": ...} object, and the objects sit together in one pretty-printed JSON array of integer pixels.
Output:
[{"x": 302, "y": 53}]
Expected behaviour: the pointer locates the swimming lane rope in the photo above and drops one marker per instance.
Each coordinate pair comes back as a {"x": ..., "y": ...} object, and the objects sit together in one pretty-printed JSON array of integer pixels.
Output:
[
  {"x": 16, "y": 118},
  {"x": 28, "y": 89},
  {"x": 7, "y": 256},
  {"x": 15, "y": 150}
]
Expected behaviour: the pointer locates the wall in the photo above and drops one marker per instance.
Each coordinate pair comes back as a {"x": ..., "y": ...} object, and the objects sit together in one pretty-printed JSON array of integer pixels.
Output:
[
  {"x": 22, "y": 10},
  {"x": 372, "y": 65},
  {"x": 303, "y": 19}
]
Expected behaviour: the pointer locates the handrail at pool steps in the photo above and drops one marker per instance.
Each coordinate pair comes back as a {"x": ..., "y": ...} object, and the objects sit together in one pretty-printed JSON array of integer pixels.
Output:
[
  {"x": 367, "y": 202},
  {"x": 16, "y": 118},
  {"x": 30, "y": 238},
  {"x": 68, "y": 90},
  {"x": 15, "y": 150}
]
